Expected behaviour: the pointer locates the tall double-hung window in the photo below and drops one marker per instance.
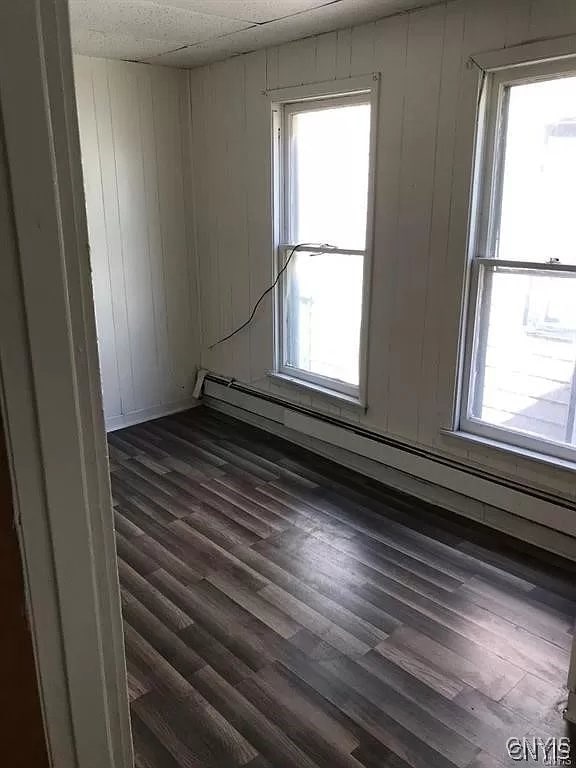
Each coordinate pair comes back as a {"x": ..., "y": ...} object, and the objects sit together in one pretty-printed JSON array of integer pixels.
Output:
[
  {"x": 519, "y": 383},
  {"x": 323, "y": 170}
]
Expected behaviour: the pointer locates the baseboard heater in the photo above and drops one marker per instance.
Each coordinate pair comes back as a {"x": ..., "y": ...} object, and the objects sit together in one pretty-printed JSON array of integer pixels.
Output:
[{"x": 495, "y": 494}]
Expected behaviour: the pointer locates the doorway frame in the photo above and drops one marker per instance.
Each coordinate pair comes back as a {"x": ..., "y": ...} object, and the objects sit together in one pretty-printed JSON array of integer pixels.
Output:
[{"x": 51, "y": 398}]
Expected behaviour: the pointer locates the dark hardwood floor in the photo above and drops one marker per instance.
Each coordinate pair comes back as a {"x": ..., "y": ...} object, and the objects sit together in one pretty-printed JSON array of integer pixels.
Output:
[{"x": 283, "y": 612}]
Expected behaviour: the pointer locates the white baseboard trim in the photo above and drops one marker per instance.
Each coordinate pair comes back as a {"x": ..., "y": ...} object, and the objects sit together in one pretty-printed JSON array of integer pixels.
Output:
[
  {"x": 146, "y": 414},
  {"x": 534, "y": 520}
]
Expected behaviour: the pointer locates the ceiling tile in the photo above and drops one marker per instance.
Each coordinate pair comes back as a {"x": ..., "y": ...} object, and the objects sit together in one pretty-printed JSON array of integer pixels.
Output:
[
  {"x": 256, "y": 11},
  {"x": 181, "y": 33},
  {"x": 117, "y": 46},
  {"x": 344, "y": 13},
  {"x": 212, "y": 50},
  {"x": 338, "y": 15},
  {"x": 144, "y": 20}
]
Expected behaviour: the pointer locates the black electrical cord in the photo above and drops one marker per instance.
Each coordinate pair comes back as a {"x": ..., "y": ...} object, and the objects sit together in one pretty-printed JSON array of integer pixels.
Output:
[{"x": 267, "y": 291}]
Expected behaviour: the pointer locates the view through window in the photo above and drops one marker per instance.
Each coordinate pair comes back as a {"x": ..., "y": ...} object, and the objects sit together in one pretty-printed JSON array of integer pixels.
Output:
[
  {"x": 326, "y": 173},
  {"x": 523, "y": 367}
]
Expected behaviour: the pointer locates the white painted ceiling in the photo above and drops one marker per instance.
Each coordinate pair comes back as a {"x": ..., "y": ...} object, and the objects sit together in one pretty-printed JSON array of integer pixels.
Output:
[{"x": 187, "y": 33}]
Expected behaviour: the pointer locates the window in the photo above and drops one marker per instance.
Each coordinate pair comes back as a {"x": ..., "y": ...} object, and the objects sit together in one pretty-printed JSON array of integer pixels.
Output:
[
  {"x": 520, "y": 382},
  {"x": 324, "y": 199}
]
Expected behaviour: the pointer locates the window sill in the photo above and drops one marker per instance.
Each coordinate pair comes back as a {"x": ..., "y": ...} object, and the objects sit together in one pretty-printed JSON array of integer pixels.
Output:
[
  {"x": 338, "y": 398},
  {"x": 510, "y": 450}
]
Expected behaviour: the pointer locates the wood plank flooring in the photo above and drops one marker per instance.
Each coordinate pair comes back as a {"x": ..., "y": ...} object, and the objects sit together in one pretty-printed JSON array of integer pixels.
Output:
[{"x": 283, "y": 612}]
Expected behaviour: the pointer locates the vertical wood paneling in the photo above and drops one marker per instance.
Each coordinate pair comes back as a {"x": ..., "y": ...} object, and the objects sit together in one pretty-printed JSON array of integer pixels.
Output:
[
  {"x": 217, "y": 110},
  {"x": 221, "y": 321},
  {"x": 343, "y": 52},
  {"x": 169, "y": 123},
  {"x": 423, "y": 67},
  {"x": 325, "y": 68},
  {"x": 362, "y": 48},
  {"x": 296, "y": 62},
  {"x": 518, "y": 14},
  {"x": 552, "y": 18},
  {"x": 272, "y": 58},
  {"x": 426, "y": 126},
  {"x": 199, "y": 132},
  {"x": 219, "y": 314},
  {"x": 152, "y": 230},
  {"x": 390, "y": 60},
  {"x": 115, "y": 255},
  {"x": 428, "y": 393},
  {"x": 190, "y": 270},
  {"x": 136, "y": 246},
  {"x": 97, "y": 233},
  {"x": 234, "y": 228},
  {"x": 259, "y": 210},
  {"x": 132, "y": 138}
]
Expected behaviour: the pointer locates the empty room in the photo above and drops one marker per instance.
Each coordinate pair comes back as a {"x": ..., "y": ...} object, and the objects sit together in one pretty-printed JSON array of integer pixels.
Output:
[{"x": 331, "y": 282}]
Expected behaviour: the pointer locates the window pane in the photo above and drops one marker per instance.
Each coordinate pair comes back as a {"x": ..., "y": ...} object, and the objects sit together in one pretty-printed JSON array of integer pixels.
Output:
[
  {"x": 324, "y": 307},
  {"x": 539, "y": 177},
  {"x": 524, "y": 368},
  {"x": 330, "y": 154}
]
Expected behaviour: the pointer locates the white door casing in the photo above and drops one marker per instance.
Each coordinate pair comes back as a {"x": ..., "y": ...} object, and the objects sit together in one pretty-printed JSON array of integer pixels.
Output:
[{"x": 50, "y": 396}]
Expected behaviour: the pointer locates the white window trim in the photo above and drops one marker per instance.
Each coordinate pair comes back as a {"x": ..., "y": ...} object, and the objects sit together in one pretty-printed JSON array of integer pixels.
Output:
[
  {"x": 524, "y": 63},
  {"x": 320, "y": 94}
]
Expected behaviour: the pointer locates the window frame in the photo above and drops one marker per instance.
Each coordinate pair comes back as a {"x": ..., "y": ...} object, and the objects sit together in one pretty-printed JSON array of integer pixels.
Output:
[
  {"x": 484, "y": 222},
  {"x": 286, "y": 102}
]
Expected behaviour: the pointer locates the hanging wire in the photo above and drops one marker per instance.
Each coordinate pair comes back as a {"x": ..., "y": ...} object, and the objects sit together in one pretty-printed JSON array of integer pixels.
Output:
[{"x": 271, "y": 288}]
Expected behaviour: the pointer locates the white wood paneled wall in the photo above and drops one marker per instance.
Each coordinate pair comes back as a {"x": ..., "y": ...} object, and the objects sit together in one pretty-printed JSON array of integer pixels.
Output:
[
  {"x": 134, "y": 130},
  {"x": 424, "y": 158}
]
